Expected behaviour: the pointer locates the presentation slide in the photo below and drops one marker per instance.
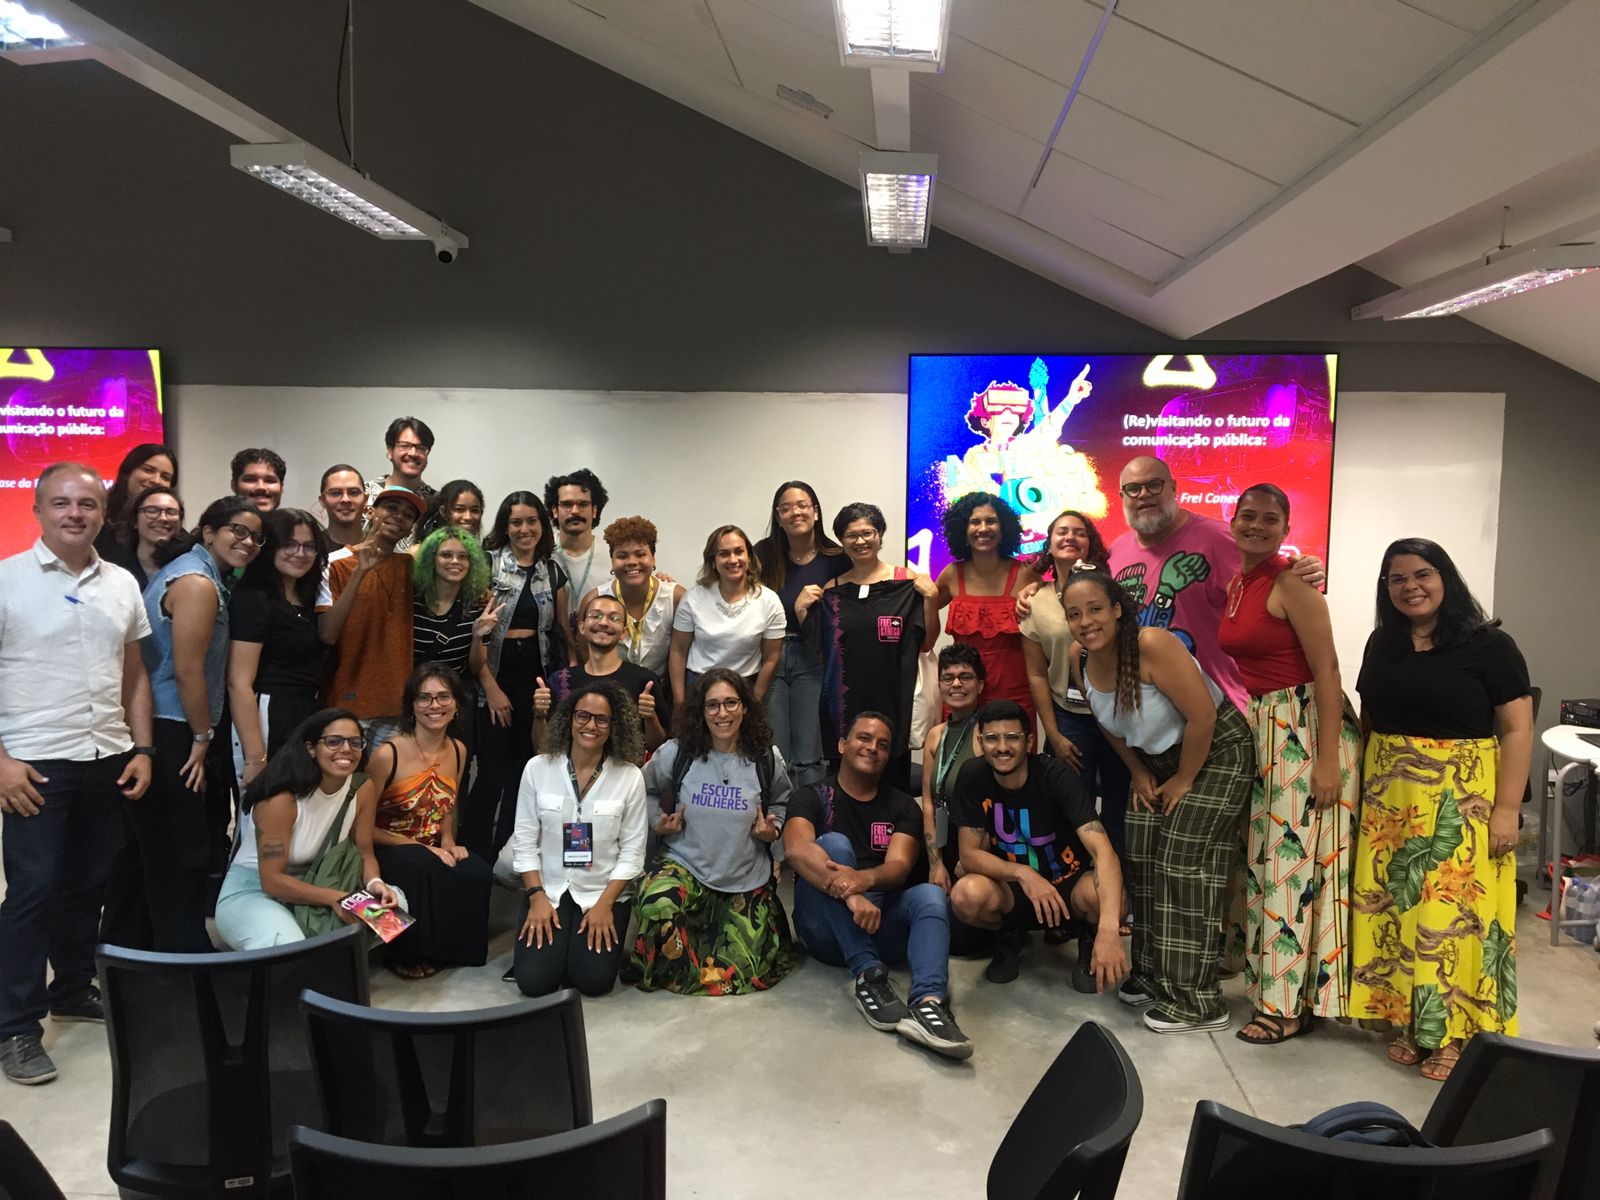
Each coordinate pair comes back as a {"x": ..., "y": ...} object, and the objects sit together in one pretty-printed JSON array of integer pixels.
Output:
[
  {"x": 1050, "y": 432},
  {"x": 88, "y": 406}
]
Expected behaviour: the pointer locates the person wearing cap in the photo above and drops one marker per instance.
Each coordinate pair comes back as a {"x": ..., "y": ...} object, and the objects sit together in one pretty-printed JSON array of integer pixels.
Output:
[{"x": 367, "y": 614}]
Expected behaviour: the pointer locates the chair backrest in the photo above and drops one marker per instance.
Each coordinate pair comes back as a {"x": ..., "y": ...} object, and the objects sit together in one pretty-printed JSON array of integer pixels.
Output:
[
  {"x": 209, "y": 1065},
  {"x": 1504, "y": 1086},
  {"x": 1232, "y": 1155},
  {"x": 22, "y": 1175},
  {"x": 1071, "y": 1136},
  {"x": 624, "y": 1158},
  {"x": 450, "y": 1078}
]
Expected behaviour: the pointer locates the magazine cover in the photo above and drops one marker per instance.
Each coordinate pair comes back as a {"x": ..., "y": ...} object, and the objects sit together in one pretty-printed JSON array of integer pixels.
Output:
[{"x": 388, "y": 923}]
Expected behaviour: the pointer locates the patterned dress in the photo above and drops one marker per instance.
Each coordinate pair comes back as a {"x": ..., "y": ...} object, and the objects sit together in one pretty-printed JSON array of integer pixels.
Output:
[{"x": 989, "y": 624}]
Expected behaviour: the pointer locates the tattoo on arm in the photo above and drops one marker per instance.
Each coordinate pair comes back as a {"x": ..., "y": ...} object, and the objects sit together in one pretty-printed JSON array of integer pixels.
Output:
[
  {"x": 274, "y": 849},
  {"x": 1091, "y": 827}
]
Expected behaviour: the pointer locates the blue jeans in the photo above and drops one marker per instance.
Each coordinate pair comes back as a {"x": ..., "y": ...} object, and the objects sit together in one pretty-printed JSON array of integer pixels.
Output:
[
  {"x": 56, "y": 865},
  {"x": 915, "y": 927},
  {"x": 1103, "y": 773},
  {"x": 794, "y": 708}
]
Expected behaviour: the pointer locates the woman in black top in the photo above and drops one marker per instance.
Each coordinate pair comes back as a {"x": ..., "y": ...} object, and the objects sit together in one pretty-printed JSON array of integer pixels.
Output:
[
  {"x": 146, "y": 466},
  {"x": 459, "y": 505},
  {"x": 797, "y": 555},
  {"x": 1449, "y": 716},
  {"x": 275, "y": 657},
  {"x": 154, "y": 518},
  {"x": 452, "y": 611}
]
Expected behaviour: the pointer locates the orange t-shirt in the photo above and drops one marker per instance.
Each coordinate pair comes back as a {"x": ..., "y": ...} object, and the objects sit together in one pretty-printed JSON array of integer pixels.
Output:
[{"x": 372, "y": 657}]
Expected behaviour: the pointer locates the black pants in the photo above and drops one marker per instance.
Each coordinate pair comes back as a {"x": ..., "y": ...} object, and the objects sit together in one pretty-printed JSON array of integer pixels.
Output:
[
  {"x": 485, "y": 821},
  {"x": 158, "y": 895},
  {"x": 56, "y": 865},
  {"x": 568, "y": 961}
]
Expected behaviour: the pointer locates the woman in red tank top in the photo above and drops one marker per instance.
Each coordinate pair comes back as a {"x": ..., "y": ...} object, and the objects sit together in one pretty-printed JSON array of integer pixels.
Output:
[
  {"x": 1289, "y": 925},
  {"x": 983, "y": 534}
]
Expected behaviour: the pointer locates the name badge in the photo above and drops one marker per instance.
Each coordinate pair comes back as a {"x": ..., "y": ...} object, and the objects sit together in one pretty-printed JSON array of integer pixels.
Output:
[{"x": 577, "y": 844}]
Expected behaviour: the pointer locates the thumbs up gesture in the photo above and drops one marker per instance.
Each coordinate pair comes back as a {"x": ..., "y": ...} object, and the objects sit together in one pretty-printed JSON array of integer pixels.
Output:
[
  {"x": 647, "y": 702},
  {"x": 541, "y": 698}
]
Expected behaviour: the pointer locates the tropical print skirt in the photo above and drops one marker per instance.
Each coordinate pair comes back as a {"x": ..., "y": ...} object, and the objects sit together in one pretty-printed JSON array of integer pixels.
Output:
[
  {"x": 701, "y": 942},
  {"x": 1291, "y": 927},
  {"x": 1433, "y": 931}
]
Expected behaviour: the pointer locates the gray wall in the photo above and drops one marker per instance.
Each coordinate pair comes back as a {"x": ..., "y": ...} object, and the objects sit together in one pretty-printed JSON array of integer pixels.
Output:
[{"x": 619, "y": 241}]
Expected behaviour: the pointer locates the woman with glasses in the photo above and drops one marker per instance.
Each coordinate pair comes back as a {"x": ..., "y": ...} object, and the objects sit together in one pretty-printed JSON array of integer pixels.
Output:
[
  {"x": 458, "y": 505},
  {"x": 983, "y": 534},
  {"x": 146, "y": 466},
  {"x": 729, "y": 620},
  {"x": 710, "y": 920},
  {"x": 1070, "y": 731},
  {"x": 873, "y": 623},
  {"x": 158, "y": 895},
  {"x": 275, "y": 656},
  {"x": 1190, "y": 755},
  {"x": 579, "y": 844},
  {"x": 1449, "y": 715},
  {"x": 453, "y": 609},
  {"x": 286, "y": 817},
  {"x": 601, "y": 621},
  {"x": 419, "y": 771},
  {"x": 798, "y": 558},
  {"x": 151, "y": 520}
]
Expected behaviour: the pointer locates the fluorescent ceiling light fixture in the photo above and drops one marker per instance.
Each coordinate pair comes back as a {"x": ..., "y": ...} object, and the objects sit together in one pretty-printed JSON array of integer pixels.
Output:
[
  {"x": 897, "y": 195},
  {"x": 320, "y": 180},
  {"x": 27, "y": 36},
  {"x": 910, "y": 34},
  {"x": 1500, "y": 275}
]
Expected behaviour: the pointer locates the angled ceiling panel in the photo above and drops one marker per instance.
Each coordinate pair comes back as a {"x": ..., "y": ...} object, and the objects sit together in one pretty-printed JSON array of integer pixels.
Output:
[
  {"x": 1049, "y": 207},
  {"x": 849, "y": 95},
  {"x": 665, "y": 28},
  {"x": 1473, "y": 15}
]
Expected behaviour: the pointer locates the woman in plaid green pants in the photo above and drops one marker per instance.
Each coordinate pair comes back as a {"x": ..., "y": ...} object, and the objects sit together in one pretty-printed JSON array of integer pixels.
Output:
[{"x": 1192, "y": 759}]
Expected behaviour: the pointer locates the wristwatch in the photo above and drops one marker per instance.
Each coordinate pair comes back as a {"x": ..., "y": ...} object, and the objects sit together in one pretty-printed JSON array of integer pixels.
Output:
[
  {"x": 147, "y": 751},
  {"x": 205, "y": 737}
]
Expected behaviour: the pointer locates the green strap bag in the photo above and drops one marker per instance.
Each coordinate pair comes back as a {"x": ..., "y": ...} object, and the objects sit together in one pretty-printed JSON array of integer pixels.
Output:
[{"x": 338, "y": 866}]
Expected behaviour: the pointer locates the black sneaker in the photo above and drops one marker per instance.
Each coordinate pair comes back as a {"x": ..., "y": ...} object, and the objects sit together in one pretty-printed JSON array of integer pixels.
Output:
[
  {"x": 24, "y": 1061},
  {"x": 930, "y": 1024},
  {"x": 1082, "y": 971},
  {"x": 1006, "y": 964},
  {"x": 875, "y": 997},
  {"x": 1134, "y": 994},
  {"x": 86, "y": 1007}
]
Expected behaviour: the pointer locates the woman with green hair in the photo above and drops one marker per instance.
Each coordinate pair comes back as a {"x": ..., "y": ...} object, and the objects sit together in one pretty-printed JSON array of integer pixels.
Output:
[{"x": 452, "y": 610}]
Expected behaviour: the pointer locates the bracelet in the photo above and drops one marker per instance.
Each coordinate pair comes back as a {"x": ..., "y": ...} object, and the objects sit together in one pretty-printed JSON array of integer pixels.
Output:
[
  {"x": 530, "y": 893},
  {"x": 255, "y": 762},
  {"x": 147, "y": 751},
  {"x": 204, "y": 737},
  {"x": 376, "y": 879}
]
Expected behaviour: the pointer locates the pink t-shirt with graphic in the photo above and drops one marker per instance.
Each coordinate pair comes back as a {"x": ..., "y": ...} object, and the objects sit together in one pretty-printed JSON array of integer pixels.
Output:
[{"x": 1181, "y": 585}]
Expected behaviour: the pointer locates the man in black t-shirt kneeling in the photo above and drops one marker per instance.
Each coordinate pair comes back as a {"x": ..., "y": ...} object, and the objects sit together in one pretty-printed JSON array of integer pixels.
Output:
[
  {"x": 1034, "y": 852},
  {"x": 852, "y": 840}
]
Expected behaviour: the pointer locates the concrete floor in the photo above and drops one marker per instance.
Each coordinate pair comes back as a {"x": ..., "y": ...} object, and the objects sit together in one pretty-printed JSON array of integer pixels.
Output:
[{"x": 785, "y": 1094}]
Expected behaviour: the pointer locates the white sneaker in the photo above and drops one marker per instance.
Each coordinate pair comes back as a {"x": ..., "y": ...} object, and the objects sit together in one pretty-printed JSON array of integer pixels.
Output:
[{"x": 1158, "y": 1021}]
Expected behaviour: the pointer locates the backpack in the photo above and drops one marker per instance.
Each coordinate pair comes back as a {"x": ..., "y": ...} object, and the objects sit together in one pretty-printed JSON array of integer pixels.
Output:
[
  {"x": 766, "y": 767},
  {"x": 1365, "y": 1122}
]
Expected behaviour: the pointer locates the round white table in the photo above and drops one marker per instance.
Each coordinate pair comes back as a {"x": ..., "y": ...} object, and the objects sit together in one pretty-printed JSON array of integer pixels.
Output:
[{"x": 1580, "y": 757}]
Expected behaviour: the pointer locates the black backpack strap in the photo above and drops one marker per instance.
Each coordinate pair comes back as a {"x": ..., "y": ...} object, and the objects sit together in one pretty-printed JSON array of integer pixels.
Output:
[
  {"x": 766, "y": 768},
  {"x": 681, "y": 762}
]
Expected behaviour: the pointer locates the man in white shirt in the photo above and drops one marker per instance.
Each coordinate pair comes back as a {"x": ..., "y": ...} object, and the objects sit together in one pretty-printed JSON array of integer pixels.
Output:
[
  {"x": 75, "y": 711},
  {"x": 575, "y": 502}
]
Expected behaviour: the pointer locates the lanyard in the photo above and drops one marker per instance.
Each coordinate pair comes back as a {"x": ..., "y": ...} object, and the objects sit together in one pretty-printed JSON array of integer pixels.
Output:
[
  {"x": 580, "y": 793},
  {"x": 636, "y": 628},
  {"x": 948, "y": 761},
  {"x": 583, "y": 584}
]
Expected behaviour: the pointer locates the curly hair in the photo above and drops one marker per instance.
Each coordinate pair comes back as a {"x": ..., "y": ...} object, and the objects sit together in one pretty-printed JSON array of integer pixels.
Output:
[
  {"x": 581, "y": 478},
  {"x": 708, "y": 559},
  {"x": 624, "y": 742},
  {"x": 1128, "y": 695},
  {"x": 958, "y": 514},
  {"x": 250, "y": 455},
  {"x": 859, "y": 510},
  {"x": 694, "y": 735},
  {"x": 1097, "y": 553},
  {"x": 630, "y": 529},
  {"x": 424, "y": 568}
]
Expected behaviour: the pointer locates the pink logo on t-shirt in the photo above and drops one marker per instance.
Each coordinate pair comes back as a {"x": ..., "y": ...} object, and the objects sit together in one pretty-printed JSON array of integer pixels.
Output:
[
  {"x": 882, "y": 831},
  {"x": 890, "y": 628}
]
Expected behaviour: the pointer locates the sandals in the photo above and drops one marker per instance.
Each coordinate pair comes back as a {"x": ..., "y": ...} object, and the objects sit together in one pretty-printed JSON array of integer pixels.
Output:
[
  {"x": 1275, "y": 1026},
  {"x": 413, "y": 970},
  {"x": 1438, "y": 1065},
  {"x": 1404, "y": 1051}
]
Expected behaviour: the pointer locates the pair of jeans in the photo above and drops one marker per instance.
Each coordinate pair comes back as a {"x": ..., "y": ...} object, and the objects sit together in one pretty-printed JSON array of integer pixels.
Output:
[
  {"x": 56, "y": 863},
  {"x": 794, "y": 707},
  {"x": 567, "y": 961},
  {"x": 1104, "y": 774},
  {"x": 915, "y": 927}
]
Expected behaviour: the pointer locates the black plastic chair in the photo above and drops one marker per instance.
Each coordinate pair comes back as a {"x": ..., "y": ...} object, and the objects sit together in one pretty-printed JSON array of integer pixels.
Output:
[
  {"x": 1071, "y": 1137},
  {"x": 1231, "y": 1155},
  {"x": 1504, "y": 1086},
  {"x": 22, "y": 1175},
  {"x": 209, "y": 1065},
  {"x": 450, "y": 1078},
  {"x": 624, "y": 1158}
]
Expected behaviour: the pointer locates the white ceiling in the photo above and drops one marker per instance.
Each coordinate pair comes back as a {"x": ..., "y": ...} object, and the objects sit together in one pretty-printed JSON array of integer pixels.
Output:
[{"x": 1220, "y": 152}]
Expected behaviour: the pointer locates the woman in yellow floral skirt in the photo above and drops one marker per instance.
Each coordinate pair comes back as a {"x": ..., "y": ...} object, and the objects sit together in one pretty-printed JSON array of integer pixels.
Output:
[{"x": 1446, "y": 703}]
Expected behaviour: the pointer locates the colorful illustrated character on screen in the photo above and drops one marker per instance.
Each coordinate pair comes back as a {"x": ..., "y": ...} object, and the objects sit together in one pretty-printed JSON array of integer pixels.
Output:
[
  {"x": 1022, "y": 456},
  {"x": 1156, "y": 610}
]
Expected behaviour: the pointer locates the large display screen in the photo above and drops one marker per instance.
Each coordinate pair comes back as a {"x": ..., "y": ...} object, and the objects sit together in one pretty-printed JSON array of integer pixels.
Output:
[
  {"x": 1049, "y": 432},
  {"x": 88, "y": 406}
]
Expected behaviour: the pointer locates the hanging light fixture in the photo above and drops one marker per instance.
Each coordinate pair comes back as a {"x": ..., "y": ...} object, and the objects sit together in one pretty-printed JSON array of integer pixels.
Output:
[
  {"x": 910, "y": 34},
  {"x": 897, "y": 197}
]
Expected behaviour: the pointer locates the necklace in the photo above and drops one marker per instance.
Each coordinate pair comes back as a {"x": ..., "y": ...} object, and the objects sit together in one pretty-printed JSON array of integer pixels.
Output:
[{"x": 730, "y": 610}]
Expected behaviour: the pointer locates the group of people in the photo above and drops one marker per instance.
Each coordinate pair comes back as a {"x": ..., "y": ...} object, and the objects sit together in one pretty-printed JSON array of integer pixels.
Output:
[{"x": 272, "y": 710}]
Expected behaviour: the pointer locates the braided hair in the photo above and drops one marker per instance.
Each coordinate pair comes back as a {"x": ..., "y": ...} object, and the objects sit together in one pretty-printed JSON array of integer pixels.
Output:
[{"x": 1127, "y": 697}]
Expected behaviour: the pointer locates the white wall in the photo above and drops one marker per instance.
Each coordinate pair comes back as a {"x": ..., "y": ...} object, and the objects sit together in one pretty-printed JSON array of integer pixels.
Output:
[
  {"x": 1410, "y": 464},
  {"x": 688, "y": 461}
]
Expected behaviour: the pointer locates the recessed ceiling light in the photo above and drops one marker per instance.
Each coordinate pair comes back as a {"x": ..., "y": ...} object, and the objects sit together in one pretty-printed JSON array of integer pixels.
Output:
[
  {"x": 910, "y": 34},
  {"x": 897, "y": 197}
]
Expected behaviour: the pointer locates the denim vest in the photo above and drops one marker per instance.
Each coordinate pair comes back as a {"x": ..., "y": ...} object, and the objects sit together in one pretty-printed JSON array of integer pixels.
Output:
[
  {"x": 157, "y": 648},
  {"x": 506, "y": 580}
]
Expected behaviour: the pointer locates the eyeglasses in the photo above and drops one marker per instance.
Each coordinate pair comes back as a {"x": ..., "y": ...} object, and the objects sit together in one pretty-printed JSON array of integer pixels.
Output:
[
  {"x": 574, "y": 505},
  {"x": 1150, "y": 487},
  {"x": 606, "y": 618},
  {"x": 293, "y": 548},
  {"x": 1423, "y": 576},
  {"x": 244, "y": 533},
  {"x": 334, "y": 742},
  {"x": 413, "y": 448},
  {"x": 598, "y": 720},
  {"x": 733, "y": 704},
  {"x": 1001, "y": 739},
  {"x": 155, "y": 512},
  {"x": 452, "y": 556},
  {"x": 860, "y": 535},
  {"x": 789, "y": 510},
  {"x": 959, "y": 677},
  {"x": 435, "y": 699}
]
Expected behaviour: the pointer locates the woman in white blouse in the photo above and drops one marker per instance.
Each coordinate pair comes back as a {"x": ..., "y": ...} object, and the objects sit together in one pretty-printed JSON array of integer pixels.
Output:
[
  {"x": 729, "y": 620},
  {"x": 579, "y": 843}
]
